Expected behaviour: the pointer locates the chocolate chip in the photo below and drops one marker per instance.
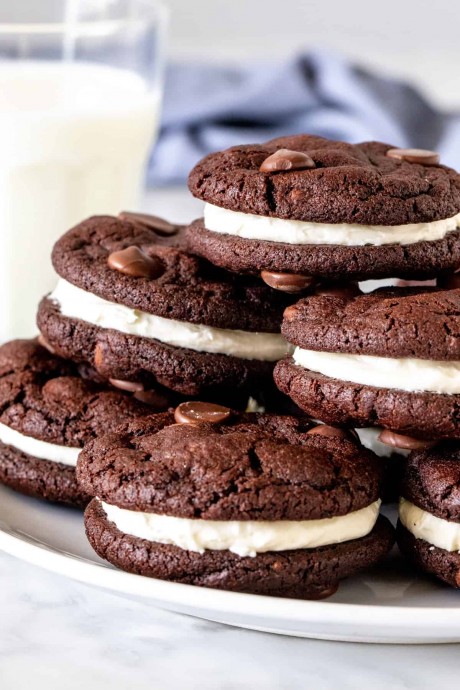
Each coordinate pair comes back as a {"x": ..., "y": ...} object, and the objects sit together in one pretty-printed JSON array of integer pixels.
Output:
[
  {"x": 284, "y": 159},
  {"x": 152, "y": 398},
  {"x": 194, "y": 412},
  {"x": 130, "y": 386},
  {"x": 390, "y": 438},
  {"x": 420, "y": 156},
  {"x": 287, "y": 282},
  {"x": 337, "y": 289},
  {"x": 44, "y": 343},
  {"x": 155, "y": 223},
  {"x": 132, "y": 261},
  {"x": 333, "y": 432}
]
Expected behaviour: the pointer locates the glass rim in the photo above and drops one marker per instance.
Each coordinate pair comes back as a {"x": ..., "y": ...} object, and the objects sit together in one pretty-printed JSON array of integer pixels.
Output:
[{"x": 88, "y": 26}]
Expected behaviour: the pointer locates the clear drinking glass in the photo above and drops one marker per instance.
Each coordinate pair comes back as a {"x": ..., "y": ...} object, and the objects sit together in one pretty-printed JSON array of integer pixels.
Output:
[{"x": 80, "y": 96}]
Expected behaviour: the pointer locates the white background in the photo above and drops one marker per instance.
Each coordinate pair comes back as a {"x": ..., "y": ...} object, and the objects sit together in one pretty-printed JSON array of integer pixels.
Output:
[
  {"x": 417, "y": 39},
  {"x": 411, "y": 38}
]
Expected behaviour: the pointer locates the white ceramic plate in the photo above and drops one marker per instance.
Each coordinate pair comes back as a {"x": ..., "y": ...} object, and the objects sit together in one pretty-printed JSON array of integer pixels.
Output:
[{"x": 391, "y": 604}]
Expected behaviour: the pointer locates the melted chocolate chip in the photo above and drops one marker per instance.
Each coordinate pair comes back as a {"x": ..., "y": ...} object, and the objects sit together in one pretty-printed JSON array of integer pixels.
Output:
[
  {"x": 287, "y": 282},
  {"x": 420, "y": 156},
  {"x": 195, "y": 412},
  {"x": 130, "y": 386},
  {"x": 390, "y": 438},
  {"x": 133, "y": 262},
  {"x": 155, "y": 223},
  {"x": 284, "y": 159}
]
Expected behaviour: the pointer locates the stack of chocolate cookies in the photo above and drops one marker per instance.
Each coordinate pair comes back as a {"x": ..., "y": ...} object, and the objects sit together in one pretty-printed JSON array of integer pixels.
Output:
[
  {"x": 228, "y": 386},
  {"x": 316, "y": 216}
]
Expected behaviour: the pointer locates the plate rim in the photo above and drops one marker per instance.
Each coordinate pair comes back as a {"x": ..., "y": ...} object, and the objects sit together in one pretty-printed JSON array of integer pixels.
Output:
[{"x": 78, "y": 568}]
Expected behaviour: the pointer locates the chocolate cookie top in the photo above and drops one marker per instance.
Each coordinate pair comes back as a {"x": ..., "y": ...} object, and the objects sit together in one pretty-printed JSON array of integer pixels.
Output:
[
  {"x": 403, "y": 322},
  {"x": 349, "y": 183},
  {"x": 136, "y": 265},
  {"x": 432, "y": 480},
  {"x": 42, "y": 396},
  {"x": 248, "y": 467}
]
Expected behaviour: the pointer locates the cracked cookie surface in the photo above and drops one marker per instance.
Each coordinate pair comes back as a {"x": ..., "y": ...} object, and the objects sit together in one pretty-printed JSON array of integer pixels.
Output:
[
  {"x": 351, "y": 183},
  {"x": 187, "y": 289},
  {"x": 42, "y": 396},
  {"x": 432, "y": 480},
  {"x": 248, "y": 467},
  {"x": 403, "y": 322},
  {"x": 256, "y": 467}
]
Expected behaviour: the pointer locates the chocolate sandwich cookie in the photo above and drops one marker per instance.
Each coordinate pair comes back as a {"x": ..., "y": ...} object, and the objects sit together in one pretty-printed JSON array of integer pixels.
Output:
[
  {"x": 390, "y": 358},
  {"x": 136, "y": 306},
  {"x": 250, "y": 503},
  {"x": 47, "y": 413},
  {"x": 312, "y": 207},
  {"x": 428, "y": 530}
]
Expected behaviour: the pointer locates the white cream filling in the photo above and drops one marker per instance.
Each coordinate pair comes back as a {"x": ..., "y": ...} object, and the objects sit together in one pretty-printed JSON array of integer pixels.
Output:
[
  {"x": 423, "y": 525},
  {"x": 369, "y": 438},
  {"x": 414, "y": 375},
  {"x": 79, "y": 304},
  {"x": 253, "y": 227},
  {"x": 245, "y": 538},
  {"x": 38, "y": 449}
]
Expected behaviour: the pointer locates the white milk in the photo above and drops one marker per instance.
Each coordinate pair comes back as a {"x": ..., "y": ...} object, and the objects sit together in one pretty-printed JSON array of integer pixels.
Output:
[{"x": 74, "y": 141}]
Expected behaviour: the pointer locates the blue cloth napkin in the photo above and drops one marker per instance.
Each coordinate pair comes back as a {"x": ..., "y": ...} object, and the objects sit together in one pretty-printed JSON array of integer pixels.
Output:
[{"x": 211, "y": 107}]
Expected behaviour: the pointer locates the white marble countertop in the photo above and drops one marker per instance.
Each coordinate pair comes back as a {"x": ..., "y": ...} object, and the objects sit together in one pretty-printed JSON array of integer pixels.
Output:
[
  {"x": 59, "y": 634},
  {"x": 56, "y": 633}
]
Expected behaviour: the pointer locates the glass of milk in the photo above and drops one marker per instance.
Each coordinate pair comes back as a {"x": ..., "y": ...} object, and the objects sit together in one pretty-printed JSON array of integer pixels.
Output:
[{"x": 80, "y": 94}]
